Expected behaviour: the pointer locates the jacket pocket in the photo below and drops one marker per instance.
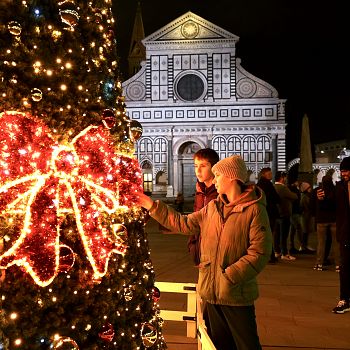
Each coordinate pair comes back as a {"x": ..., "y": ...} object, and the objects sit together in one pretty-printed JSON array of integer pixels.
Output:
[
  {"x": 229, "y": 292},
  {"x": 205, "y": 288}
]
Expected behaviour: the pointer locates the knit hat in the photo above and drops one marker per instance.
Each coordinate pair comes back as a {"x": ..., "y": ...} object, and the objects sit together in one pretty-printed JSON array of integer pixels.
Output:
[
  {"x": 345, "y": 164},
  {"x": 233, "y": 167}
]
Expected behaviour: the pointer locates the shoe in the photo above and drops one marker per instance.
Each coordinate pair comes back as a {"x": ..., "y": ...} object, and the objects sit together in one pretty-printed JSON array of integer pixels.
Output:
[
  {"x": 343, "y": 306},
  {"x": 293, "y": 251},
  {"x": 277, "y": 255},
  {"x": 319, "y": 267},
  {"x": 337, "y": 268},
  {"x": 306, "y": 250},
  {"x": 288, "y": 257}
]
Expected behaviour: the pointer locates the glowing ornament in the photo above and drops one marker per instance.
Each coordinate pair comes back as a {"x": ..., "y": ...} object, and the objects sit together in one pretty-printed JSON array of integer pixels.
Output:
[
  {"x": 155, "y": 294},
  {"x": 64, "y": 343},
  {"x": 107, "y": 332},
  {"x": 37, "y": 95},
  {"x": 135, "y": 130},
  {"x": 120, "y": 236},
  {"x": 43, "y": 181},
  {"x": 14, "y": 28},
  {"x": 128, "y": 294},
  {"x": 67, "y": 258},
  {"x": 109, "y": 119},
  {"x": 98, "y": 16},
  {"x": 149, "y": 334}
]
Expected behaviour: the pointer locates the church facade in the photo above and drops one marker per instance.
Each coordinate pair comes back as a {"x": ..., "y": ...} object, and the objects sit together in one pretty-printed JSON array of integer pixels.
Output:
[{"x": 192, "y": 92}]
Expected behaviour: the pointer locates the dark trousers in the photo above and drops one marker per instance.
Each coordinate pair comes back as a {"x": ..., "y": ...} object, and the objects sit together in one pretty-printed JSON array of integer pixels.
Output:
[
  {"x": 233, "y": 327},
  {"x": 344, "y": 274},
  {"x": 280, "y": 235}
]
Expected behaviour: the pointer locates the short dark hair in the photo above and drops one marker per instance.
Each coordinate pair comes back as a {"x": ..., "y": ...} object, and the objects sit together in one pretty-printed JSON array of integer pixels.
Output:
[
  {"x": 207, "y": 154},
  {"x": 280, "y": 175},
  {"x": 265, "y": 170}
]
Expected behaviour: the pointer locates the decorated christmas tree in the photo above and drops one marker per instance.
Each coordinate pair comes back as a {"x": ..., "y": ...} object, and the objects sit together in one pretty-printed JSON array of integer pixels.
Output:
[{"x": 75, "y": 264}]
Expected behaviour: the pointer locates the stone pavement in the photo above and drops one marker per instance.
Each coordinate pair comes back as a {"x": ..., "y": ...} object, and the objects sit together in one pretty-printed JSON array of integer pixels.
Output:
[{"x": 294, "y": 308}]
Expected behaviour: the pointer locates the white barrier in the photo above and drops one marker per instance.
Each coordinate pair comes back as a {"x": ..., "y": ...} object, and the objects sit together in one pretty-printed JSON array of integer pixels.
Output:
[
  {"x": 193, "y": 314},
  {"x": 190, "y": 314}
]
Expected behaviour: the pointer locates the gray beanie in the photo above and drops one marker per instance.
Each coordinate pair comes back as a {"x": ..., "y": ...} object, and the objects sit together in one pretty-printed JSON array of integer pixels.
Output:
[{"x": 233, "y": 167}]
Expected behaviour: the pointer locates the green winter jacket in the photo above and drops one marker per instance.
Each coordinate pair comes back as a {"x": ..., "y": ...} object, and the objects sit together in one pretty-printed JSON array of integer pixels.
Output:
[{"x": 236, "y": 243}]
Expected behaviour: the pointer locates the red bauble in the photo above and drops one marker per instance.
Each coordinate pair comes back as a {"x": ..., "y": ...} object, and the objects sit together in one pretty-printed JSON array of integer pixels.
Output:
[
  {"x": 155, "y": 294},
  {"x": 109, "y": 120},
  {"x": 107, "y": 332},
  {"x": 67, "y": 258}
]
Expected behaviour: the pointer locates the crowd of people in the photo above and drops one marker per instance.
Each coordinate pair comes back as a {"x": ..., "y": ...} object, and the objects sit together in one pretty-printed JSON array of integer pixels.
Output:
[{"x": 237, "y": 228}]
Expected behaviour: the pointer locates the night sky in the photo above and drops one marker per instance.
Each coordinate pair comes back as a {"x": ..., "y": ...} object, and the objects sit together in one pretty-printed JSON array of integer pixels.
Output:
[{"x": 299, "y": 47}]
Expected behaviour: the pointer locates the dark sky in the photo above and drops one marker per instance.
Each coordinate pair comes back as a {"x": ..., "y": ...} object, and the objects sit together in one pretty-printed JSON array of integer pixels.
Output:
[{"x": 299, "y": 47}]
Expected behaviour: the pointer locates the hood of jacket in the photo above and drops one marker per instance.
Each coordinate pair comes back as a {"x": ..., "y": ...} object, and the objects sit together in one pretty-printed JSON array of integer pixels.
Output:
[{"x": 251, "y": 195}]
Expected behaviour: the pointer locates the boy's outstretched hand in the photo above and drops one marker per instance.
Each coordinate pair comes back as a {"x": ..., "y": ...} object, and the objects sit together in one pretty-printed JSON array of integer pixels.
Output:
[{"x": 145, "y": 201}]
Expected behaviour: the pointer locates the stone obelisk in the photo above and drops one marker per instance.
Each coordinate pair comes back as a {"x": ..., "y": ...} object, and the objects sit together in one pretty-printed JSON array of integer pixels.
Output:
[{"x": 305, "y": 173}]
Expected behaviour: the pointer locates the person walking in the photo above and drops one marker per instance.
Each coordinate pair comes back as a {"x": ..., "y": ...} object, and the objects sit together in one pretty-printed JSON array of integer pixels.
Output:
[
  {"x": 236, "y": 243},
  {"x": 343, "y": 234},
  {"x": 281, "y": 231},
  {"x": 272, "y": 200}
]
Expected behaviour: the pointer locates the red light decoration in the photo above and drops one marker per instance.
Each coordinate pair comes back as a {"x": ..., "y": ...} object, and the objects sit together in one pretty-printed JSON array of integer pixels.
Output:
[{"x": 42, "y": 181}]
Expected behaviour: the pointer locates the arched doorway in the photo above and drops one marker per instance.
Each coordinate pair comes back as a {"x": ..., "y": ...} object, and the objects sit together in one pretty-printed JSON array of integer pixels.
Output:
[
  {"x": 147, "y": 177},
  {"x": 187, "y": 177}
]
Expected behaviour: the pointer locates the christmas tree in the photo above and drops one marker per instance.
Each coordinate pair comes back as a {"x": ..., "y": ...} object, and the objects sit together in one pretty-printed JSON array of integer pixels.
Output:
[{"x": 75, "y": 264}]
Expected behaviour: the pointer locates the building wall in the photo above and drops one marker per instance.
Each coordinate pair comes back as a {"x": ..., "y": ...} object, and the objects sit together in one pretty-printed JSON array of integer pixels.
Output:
[{"x": 192, "y": 92}]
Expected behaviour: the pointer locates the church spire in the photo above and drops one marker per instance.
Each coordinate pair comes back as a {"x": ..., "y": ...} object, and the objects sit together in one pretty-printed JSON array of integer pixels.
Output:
[{"x": 137, "y": 52}]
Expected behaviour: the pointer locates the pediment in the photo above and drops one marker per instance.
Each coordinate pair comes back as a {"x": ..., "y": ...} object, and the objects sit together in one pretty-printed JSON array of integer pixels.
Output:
[{"x": 189, "y": 27}]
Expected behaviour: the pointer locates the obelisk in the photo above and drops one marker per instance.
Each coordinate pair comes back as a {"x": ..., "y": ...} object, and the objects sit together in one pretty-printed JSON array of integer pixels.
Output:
[{"x": 305, "y": 172}]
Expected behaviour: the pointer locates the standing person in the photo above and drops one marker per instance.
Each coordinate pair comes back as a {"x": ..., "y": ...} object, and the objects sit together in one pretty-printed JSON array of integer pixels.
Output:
[
  {"x": 295, "y": 220},
  {"x": 281, "y": 231},
  {"x": 236, "y": 245},
  {"x": 324, "y": 212},
  {"x": 343, "y": 234},
  {"x": 204, "y": 160},
  {"x": 272, "y": 200},
  {"x": 307, "y": 219}
]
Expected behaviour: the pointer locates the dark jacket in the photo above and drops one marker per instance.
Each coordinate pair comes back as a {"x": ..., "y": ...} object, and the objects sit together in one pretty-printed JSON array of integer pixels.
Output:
[
  {"x": 203, "y": 195},
  {"x": 324, "y": 210},
  {"x": 272, "y": 198},
  {"x": 343, "y": 212},
  {"x": 286, "y": 200}
]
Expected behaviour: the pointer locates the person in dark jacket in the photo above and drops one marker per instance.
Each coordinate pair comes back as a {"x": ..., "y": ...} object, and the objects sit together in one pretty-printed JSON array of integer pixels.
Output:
[
  {"x": 324, "y": 212},
  {"x": 236, "y": 244},
  {"x": 343, "y": 235},
  {"x": 272, "y": 200}
]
